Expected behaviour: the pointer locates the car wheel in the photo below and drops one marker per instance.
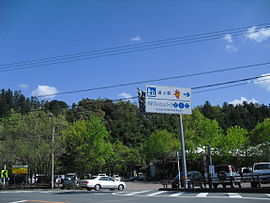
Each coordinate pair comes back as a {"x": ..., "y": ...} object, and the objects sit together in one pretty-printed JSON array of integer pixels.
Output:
[
  {"x": 253, "y": 184},
  {"x": 121, "y": 187},
  {"x": 97, "y": 187},
  {"x": 222, "y": 175}
]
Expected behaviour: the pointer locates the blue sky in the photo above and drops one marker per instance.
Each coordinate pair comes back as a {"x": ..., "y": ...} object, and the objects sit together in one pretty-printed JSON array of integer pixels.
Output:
[{"x": 35, "y": 29}]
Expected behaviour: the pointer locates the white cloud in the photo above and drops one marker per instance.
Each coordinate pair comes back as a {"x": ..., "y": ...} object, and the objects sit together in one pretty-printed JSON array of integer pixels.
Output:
[
  {"x": 136, "y": 39},
  {"x": 263, "y": 82},
  {"x": 241, "y": 100},
  {"x": 124, "y": 95},
  {"x": 24, "y": 86},
  {"x": 231, "y": 48},
  {"x": 45, "y": 90},
  {"x": 258, "y": 35},
  {"x": 228, "y": 38}
]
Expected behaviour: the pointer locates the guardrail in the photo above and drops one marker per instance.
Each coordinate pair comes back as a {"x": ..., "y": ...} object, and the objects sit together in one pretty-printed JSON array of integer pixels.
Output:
[{"x": 255, "y": 180}]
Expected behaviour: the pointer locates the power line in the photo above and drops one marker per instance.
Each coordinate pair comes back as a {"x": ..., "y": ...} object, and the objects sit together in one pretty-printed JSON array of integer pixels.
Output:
[
  {"x": 229, "y": 82},
  {"x": 229, "y": 86},
  {"x": 197, "y": 92},
  {"x": 160, "y": 79},
  {"x": 125, "y": 49}
]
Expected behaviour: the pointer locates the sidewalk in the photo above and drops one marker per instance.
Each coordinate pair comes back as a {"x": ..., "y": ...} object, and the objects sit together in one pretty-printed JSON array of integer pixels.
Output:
[{"x": 143, "y": 185}]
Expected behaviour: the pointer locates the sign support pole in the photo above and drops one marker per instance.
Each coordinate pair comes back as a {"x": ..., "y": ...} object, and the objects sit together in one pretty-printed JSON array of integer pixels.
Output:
[
  {"x": 179, "y": 172},
  {"x": 182, "y": 141},
  {"x": 4, "y": 179}
]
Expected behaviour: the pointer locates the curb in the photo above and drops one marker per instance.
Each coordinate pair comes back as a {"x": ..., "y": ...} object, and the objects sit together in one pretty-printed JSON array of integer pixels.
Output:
[{"x": 221, "y": 190}]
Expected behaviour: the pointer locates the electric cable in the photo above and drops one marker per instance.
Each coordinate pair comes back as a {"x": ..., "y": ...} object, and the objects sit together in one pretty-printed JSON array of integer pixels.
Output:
[
  {"x": 160, "y": 79},
  {"x": 197, "y": 92},
  {"x": 124, "y": 49}
]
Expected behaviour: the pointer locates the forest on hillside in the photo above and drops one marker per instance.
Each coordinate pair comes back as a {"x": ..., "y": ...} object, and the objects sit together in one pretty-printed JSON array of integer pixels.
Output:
[{"x": 103, "y": 136}]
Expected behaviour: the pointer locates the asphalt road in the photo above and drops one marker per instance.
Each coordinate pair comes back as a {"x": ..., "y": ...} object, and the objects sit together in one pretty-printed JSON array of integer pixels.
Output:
[{"x": 148, "y": 196}]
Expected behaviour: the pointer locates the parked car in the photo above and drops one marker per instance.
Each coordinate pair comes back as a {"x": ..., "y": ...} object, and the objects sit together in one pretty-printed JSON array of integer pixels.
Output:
[
  {"x": 116, "y": 177},
  {"x": 246, "y": 174},
  {"x": 260, "y": 173},
  {"x": 139, "y": 176},
  {"x": 195, "y": 179},
  {"x": 102, "y": 182},
  {"x": 71, "y": 180},
  {"x": 226, "y": 175}
]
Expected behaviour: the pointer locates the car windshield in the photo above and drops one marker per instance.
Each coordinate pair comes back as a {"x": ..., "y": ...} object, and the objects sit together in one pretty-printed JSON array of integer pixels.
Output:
[
  {"x": 189, "y": 173},
  {"x": 226, "y": 168},
  {"x": 261, "y": 166}
]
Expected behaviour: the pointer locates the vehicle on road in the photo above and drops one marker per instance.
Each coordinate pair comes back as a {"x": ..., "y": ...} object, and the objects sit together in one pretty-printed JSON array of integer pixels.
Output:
[
  {"x": 260, "y": 173},
  {"x": 195, "y": 179},
  {"x": 102, "y": 182},
  {"x": 226, "y": 175},
  {"x": 71, "y": 180}
]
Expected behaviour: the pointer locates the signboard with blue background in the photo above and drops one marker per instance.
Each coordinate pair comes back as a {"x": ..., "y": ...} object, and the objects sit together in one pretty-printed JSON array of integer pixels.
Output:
[{"x": 170, "y": 100}]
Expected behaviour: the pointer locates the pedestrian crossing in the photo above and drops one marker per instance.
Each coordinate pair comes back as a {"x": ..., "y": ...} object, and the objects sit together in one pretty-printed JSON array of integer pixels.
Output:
[
  {"x": 171, "y": 194},
  {"x": 156, "y": 193}
]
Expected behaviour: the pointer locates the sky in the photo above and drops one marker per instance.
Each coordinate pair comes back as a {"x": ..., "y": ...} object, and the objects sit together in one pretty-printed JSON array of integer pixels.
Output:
[{"x": 44, "y": 29}]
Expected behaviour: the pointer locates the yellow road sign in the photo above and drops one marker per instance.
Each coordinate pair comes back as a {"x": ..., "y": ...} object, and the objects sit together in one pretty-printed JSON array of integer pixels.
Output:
[
  {"x": 20, "y": 169},
  {"x": 4, "y": 173}
]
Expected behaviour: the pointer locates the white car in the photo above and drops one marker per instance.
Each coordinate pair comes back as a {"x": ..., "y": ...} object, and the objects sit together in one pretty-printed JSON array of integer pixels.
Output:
[
  {"x": 116, "y": 177},
  {"x": 102, "y": 182}
]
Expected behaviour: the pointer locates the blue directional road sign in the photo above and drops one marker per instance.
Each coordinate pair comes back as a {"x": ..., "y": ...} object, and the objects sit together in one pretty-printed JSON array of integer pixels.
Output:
[{"x": 170, "y": 100}]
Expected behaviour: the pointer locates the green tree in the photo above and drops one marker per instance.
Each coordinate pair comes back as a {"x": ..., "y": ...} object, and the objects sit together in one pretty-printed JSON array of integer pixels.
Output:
[
  {"x": 234, "y": 145},
  {"x": 260, "y": 141},
  {"x": 208, "y": 131},
  {"x": 160, "y": 145},
  {"x": 88, "y": 147},
  {"x": 28, "y": 140},
  {"x": 124, "y": 159}
]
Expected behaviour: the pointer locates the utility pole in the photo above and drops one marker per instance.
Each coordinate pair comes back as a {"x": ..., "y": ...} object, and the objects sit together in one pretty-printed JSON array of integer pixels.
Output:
[{"x": 53, "y": 132}]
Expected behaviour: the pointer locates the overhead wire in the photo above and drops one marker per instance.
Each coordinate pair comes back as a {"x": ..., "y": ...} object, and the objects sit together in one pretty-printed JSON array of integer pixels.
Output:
[
  {"x": 229, "y": 86},
  {"x": 254, "y": 80},
  {"x": 159, "y": 79},
  {"x": 126, "y": 49}
]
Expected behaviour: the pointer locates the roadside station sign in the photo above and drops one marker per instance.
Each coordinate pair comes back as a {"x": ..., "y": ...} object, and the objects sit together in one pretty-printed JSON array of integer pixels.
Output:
[
  {"x": 4, "y": 173},
  {"x": 169, "y": 100},
  {"x": 20, "y": 169}
]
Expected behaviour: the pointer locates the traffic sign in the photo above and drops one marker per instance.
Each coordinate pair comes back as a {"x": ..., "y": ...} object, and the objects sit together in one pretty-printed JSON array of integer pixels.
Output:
[
  {"x": 170, "y": 100},
  {"x": 4, "y": 173},
  {"x": 20, "y": 169}
]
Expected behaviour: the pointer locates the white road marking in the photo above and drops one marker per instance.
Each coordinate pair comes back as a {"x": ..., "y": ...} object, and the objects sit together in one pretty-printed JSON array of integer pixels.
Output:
[
  {"x": 234, "y": 195},
  {"x": 177, "y": 194},
  {"x": 156, "y": 193},
  {"x": 139, "y": 192},
  {"x": 202, "y": 194},
  {"x": 19, "y": 201}
]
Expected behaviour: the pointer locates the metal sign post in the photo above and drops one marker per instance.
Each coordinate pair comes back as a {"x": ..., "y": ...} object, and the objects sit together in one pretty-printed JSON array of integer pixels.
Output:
[
  {"x": 183, "y": 150},
  {"x": 179, "y": 171}
]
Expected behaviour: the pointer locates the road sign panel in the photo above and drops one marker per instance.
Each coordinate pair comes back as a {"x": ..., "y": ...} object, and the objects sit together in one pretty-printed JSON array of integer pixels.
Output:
[
  {"x": 4, "y": 173},
  {"x": 22, "y": 169},
  {"x": 171, "y": 100}
]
